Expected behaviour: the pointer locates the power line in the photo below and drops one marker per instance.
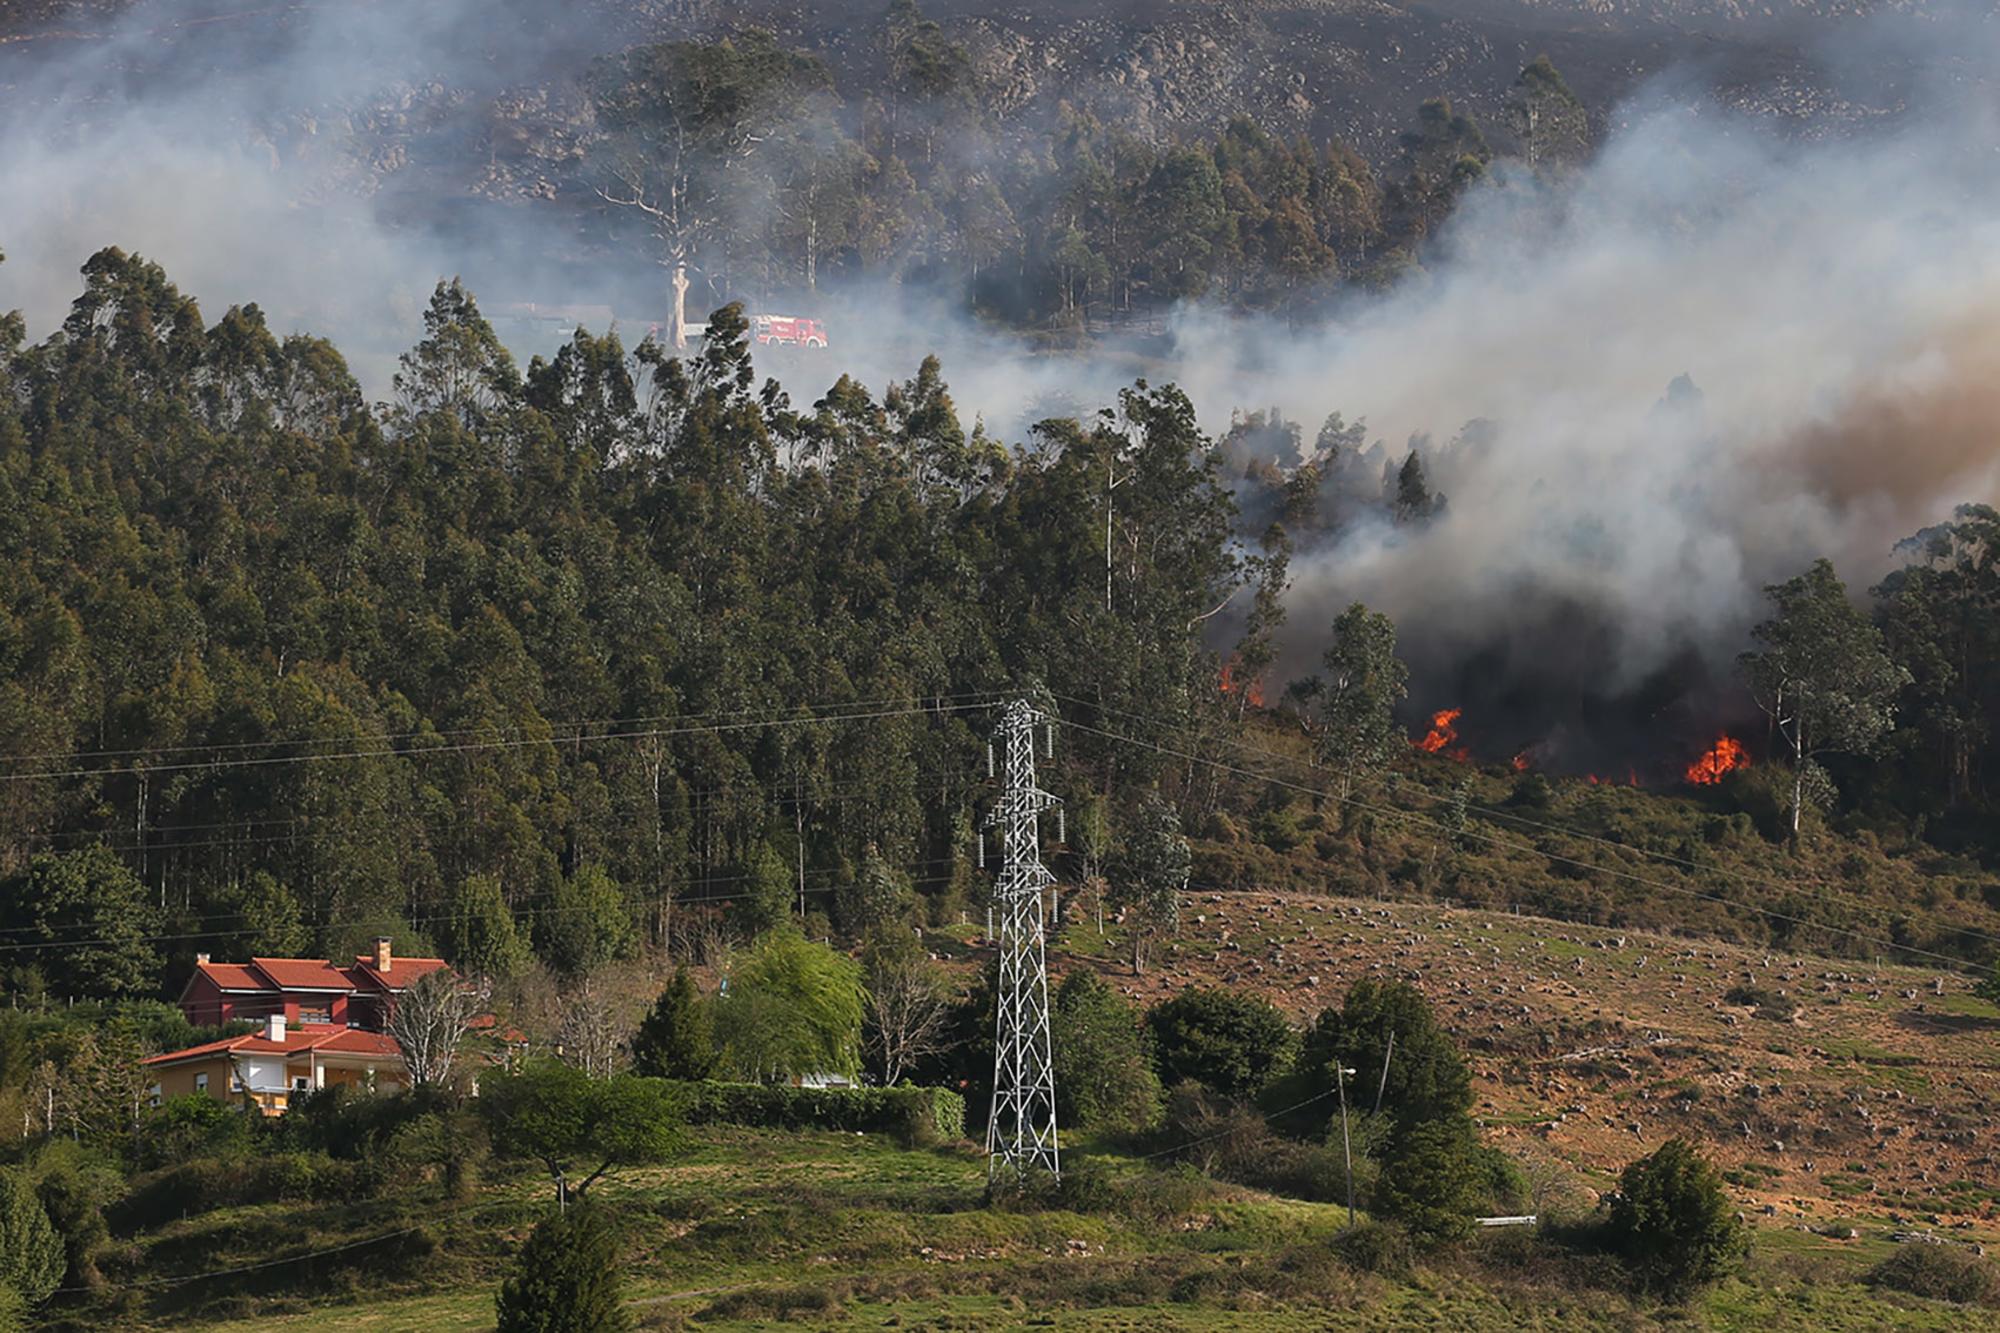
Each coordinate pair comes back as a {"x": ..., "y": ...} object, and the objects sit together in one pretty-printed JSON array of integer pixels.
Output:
[
  {"x": 73, "y": 755},
  {"x": 431, "y": 751},
  {"x": 420, "y": 922}
]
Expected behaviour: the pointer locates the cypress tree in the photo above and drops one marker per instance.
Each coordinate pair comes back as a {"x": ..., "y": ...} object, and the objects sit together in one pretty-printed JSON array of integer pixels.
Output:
[
  {"x": 677, "y": 1037},
  {"x": 31, "y": 1253},
  {"x": 566, "y": 1279}
]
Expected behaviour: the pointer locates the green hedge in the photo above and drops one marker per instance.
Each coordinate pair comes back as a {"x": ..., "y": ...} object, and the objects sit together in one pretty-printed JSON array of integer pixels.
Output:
[{"x": 916, "y": 1115}]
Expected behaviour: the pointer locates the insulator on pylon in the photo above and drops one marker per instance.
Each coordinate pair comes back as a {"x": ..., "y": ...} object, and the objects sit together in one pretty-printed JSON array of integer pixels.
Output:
[
  {"x": 1048, "y": 740},
  {"x": 1060, "y": 835},
  {"x": 989, "y": 759},
  {"x": 982, "y": 851}
]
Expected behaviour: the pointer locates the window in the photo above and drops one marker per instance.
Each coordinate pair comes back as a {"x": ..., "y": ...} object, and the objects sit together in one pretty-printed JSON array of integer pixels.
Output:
[
  {"x": 235, "y": 1079},
  {"x": 300, "y": 1083},
  {"x": 315, "y": 1015},
  {"x": 201, "y": 1083},
  {"x": 153, "y": 1095}
]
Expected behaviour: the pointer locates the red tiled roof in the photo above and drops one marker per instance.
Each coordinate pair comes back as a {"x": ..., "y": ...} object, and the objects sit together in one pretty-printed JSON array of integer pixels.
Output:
[
  {"x": 234, "y": 976},
  {"x": 298, "y": 1040},
  {"x": 303, "y": 974},
  {"x": 402, "y": 971},
  {"x": 356, "y": 1041}
]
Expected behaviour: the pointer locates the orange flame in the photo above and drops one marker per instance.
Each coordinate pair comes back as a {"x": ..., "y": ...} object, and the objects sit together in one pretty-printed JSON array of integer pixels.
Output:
[
  {"x": 1521, "y": 762},
  {"x": 1725, "y": 755},
  {"x": 1442, "y": 734},
  {"x": 1230, "y": 686}
]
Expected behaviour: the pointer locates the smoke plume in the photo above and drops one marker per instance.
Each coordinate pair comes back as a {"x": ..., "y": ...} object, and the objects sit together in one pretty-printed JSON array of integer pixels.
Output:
[{"x": 1714, "y": 354}]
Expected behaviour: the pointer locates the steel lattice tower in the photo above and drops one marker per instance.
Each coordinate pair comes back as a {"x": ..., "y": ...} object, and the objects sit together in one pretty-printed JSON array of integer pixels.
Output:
[{"x": 1021, "y": 1132}]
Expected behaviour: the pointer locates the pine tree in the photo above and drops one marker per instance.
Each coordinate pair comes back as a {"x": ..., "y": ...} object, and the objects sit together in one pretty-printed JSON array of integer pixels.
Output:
[
  {"x": 566, "y": 1279},
  {"x": 677, "y": 1037},
  {"x": 1414, "y": 501}
]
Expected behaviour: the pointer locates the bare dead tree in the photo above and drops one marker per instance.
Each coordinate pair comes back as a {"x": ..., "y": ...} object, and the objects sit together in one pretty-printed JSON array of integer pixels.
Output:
[
  {"x": 588, "y": 1036},
  {"x": 907, "y": 1009},
  {"x": 678, "y": 178},
  {"x": 429, "y": 1021}
]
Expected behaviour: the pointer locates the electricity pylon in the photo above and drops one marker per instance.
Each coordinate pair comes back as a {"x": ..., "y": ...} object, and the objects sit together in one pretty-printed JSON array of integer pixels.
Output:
[{"x": 1021, "y": 1132}]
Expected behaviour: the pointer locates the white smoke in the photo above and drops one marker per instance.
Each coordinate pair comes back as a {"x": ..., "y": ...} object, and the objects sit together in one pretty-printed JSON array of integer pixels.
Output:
[{"x": 1835, "y": 300}]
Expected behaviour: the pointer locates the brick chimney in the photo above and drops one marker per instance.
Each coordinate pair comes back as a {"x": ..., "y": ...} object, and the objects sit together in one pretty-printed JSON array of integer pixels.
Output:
[
  {"x": 201, "y": 960},
  {"x": 384, "y": 959},
  {"x": 274, "y": 1026}
]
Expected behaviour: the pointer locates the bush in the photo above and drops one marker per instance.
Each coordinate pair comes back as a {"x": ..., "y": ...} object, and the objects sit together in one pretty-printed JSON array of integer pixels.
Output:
[
  {"x": 31, "y": 1253},
  {"x": 1101, "y": 1061},
  {"x": 1382, "y": 1248},
  {"x": 196, "y": 1125},
  {"x": 1503, "y": 1186},
  {"x": 1230, "y": 1140},
  {"x": 1227, "y": 1041},
  {"x": 75, "y": 1184},
  {"x": 347, "y": 1122},
  {"x": 1768, "y": 1003},
  {"x": 1939, "y": 1273},
  {"x": 1672, "y": 1222},
  {"x": 1431, "y": 1182},
  {"x": 565, "y": 1280},
  {"x": 205, "y": 1183},
  {"x": 916, "y": 1116}
]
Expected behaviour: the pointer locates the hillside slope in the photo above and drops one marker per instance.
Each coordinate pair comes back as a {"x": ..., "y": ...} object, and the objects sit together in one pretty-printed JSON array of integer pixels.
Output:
[{"x": 1870, "y": 1101}]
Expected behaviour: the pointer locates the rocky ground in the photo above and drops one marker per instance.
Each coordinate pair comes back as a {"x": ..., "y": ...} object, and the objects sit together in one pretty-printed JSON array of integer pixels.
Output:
[
  {"x": 1874, "y": 1100},
  {"x": 1352, "y": 69}
]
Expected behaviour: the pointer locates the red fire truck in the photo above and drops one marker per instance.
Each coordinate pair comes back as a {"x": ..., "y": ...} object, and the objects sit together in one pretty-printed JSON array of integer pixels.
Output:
[{"x": 787, "y": 330}]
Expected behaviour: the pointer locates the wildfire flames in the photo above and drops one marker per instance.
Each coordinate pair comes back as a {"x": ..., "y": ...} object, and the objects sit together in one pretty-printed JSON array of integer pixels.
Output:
[
  {"x": 1230, "y": 685},
  {"x": 1726, "y": 754},
  {"x": 1442, "y": 738}
]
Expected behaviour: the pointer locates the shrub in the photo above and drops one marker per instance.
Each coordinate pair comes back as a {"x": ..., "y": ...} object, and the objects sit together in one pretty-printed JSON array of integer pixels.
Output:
[
  {"x": 1227, "y": 1041},
  {"x": 196, "y": 1125},
  {"x": 31, "y": 1253},
  {"x": 1768, "y": 1003},
  {"x": 1230, "y": 1140},
  {"x": 202, "y": 1184},
  {"x": 1939, "y": 1273},
  {"x": 1383, "y": 1248},
  {"x": 1431, "y": 1182},
  {"x": 1101, "y": 1061},
  {"x": 566, "y": 1279},
  {"x": 916, "y": 1116},
  {"x": 348, "y": 1122},
  {"x": 74, "y": 1185},
  {"x": 1672, "y": 1222},
  {"x": 1503, "y": 1186}
]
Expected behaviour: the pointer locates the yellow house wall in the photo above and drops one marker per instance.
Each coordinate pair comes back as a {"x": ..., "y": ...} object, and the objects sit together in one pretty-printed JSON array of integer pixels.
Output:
[{"x": 178, "y": 1080}]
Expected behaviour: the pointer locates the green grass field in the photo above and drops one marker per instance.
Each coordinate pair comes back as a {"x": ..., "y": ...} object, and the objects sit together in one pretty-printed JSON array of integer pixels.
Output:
[{"x": 762, "y": 1229}]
